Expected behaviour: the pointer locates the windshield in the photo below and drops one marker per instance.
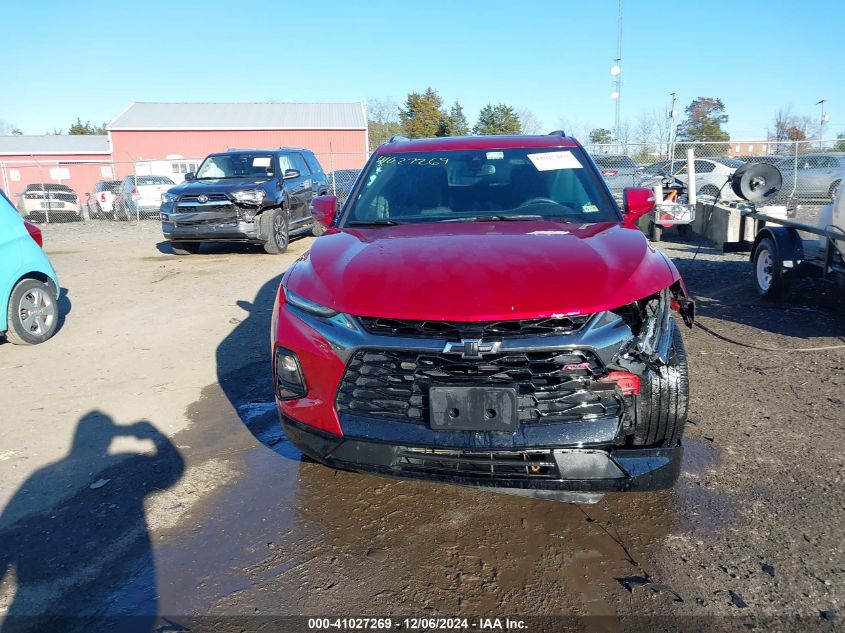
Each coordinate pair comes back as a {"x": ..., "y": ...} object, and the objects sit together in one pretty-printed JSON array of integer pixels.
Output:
[
  {"x": 468, "y": 185},
  {"x": 236, "y": 166},
  {"x": 154, "y": 180}
]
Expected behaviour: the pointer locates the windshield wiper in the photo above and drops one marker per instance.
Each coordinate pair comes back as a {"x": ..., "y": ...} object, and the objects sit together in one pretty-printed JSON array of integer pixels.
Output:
[
  {"x": 372, "y": 223},
  {"x": 494, "y": 218}
]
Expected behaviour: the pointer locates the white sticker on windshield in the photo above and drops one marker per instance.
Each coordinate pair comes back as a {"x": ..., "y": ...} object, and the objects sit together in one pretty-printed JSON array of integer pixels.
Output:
[
  {"x": 495, "y": 155},
  {"x": 548, "y": 161},
  {"x": 261, "y": 161}
]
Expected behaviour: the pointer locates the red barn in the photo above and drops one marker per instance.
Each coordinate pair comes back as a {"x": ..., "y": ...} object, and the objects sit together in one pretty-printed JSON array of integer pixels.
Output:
[{"x": 335, "y": 132}]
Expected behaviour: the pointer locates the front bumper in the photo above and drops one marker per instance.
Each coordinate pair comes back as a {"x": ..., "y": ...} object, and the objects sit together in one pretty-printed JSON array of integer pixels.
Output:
[
  {"x": 548, "y": 452},
  {"x": 538, "y": 473},
  {"x": 230, "y": 230}
]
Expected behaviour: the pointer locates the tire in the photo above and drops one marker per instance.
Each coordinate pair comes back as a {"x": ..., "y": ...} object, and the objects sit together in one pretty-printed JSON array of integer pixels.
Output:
[
  {"x": 663, "y": 403},
  {"x": 769, "y": 278},
  {"x": 186, "y": 248},
  {"x": 98, "y": 214},
  {"x": 26, "y": 328},
  {"x": 831, "y": 193},
  {"x": 655, "y": 231},
  {"x": 277, "y": 230}
]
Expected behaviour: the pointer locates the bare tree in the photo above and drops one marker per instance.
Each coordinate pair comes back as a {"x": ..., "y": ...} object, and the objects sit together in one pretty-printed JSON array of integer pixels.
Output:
[
  {"x": 530, "y": 123},
  {"x": 576, "y": 128},
  {"x": 382, "y": 120},
  {"x": 788, "y": 126},
  {"x": 9, "y": 128}
]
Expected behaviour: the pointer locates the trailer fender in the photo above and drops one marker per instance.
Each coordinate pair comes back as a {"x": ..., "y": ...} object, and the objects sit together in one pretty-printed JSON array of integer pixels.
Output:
[{"x": 790, "y": 248}]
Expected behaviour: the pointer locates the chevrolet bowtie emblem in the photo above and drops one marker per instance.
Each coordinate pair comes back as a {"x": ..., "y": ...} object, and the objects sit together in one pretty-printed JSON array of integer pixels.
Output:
[{"x": 471, "y": 348}]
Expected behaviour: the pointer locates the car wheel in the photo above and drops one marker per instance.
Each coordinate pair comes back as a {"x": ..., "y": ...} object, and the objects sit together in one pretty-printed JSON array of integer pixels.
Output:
[
  {"x": 831, "y": 193},
  {"x": 663, "y": 403},
  {"x": 655, "y": 231},
  {"x": 768, "y": 271},
  {"x": 185, "y": 248},
  {"x": 33, "y": 313},
  {"x": 98, "y": 212},
  {"x": 277, "y": 231}
]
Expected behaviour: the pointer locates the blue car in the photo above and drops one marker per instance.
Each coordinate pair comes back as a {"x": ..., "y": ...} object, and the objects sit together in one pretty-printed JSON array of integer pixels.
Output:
[{"x": 29, "y": 287}]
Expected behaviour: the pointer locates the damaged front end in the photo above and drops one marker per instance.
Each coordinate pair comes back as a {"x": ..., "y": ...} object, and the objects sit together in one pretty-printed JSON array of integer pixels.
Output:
[{"x": 601, "y": 399}]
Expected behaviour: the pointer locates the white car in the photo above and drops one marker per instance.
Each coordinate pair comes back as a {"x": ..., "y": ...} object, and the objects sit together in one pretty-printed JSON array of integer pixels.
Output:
[
  {"x": 140, "y": 196},
  {"x": 49, "y": 202},
  {"x": 101, "y": 201},
  {"x": 710, "y": 175}
]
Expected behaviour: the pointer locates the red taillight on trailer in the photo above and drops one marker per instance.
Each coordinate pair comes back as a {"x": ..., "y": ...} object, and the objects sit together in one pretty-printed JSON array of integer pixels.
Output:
[
  {"x": 103, "y": 197},
  {"x": 609, "y": 172},
  {"x": 628, "y": 383},
  {"x": 35, "y": 233}
]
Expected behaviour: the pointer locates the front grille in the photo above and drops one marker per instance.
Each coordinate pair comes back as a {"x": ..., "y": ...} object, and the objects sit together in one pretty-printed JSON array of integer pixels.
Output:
[
  {"x": 212, "y": 197},
  {"x": 552, "y": 386},
  {"x": 478, "y": 464},
  {"x": 466, "y": 329}
]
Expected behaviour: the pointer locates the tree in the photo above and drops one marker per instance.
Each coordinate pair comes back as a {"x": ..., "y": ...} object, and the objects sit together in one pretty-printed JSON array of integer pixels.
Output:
[
  {"x": 601, "y": 135},
  {"x": 454, "y": 123},
  {"x": 86, "y": 128},
  {"x": 423, "y": 115},
  {"x": 839, "y": 146},
  {"x": 791, "y": 127},
  {"x": 705, "y": 117},
  {"x": 530, "y": 124},
  {"x": 9, "y": 128},
  {"x": 382, "y": 120},
  {"x": 497, "y": 119},
  {"x": 575, "y": 128}
]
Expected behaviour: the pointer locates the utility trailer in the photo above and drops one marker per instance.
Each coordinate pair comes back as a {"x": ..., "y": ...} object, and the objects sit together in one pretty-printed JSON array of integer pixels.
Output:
[{"x": 780, "y": 255}]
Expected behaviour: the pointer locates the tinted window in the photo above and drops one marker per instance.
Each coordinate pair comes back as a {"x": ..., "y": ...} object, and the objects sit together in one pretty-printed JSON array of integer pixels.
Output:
[
  {"x": 312, "y": 162},
  {"x": 463, "y": 185},
  {"x": 299, "y": 163},
  {"x": 615, "y": 162},
  {"x": 704, "y": 167}
]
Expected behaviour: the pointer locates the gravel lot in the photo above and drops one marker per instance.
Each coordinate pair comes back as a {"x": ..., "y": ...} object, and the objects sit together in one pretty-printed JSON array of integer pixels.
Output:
[{"x": 206, "y": 509}]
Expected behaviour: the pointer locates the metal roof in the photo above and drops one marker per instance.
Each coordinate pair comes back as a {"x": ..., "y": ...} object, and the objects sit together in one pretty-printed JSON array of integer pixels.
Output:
[
  {"x": 54, "y": 144},
  {"x": 241, "y": 116}
]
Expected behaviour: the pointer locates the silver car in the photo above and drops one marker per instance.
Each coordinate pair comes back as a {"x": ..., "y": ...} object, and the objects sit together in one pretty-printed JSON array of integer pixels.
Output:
[
  {"x": 618, "y": 171},
  {"x": 818, "y": 175}
]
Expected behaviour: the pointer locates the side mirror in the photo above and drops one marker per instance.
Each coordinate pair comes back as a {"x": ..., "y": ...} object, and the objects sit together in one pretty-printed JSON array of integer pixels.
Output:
[
  {"x": 636, "y": 202},
  {"x": 324, "y": 208},
  {"x": 190, "y": 176},
  {"x": 290, "y": 173}
]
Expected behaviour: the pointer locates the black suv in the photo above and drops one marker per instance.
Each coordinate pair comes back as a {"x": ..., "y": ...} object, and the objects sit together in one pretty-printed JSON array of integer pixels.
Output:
[{"x": 250, "y": 195}]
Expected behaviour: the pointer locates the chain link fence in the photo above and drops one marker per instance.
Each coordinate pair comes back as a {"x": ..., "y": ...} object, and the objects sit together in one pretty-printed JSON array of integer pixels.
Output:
[
  {"x": 124, "y": 191},
  {"x": 812, "y": 170}
]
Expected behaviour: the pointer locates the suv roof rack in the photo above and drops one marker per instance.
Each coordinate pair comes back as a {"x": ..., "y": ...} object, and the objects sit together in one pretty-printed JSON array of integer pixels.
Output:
[
  {"x": 398, "y": 138},
  {"x": 557, "y": 133}
]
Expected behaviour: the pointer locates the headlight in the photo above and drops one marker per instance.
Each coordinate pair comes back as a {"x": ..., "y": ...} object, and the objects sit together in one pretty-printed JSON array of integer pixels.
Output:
[
  {"x": 168, "y": 198},
  {"x": 306, "y": 305},
  {"x": 252, "y": 196}
]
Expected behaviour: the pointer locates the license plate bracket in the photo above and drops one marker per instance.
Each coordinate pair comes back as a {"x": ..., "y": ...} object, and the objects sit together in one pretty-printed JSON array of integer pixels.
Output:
[{"x": 473, "y": 409}]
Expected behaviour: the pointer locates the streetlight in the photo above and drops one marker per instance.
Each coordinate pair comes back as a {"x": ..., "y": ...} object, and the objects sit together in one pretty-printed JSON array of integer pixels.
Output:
[
  {"x": 616, "y": 72},
  {"x": 824, "y": 118}
]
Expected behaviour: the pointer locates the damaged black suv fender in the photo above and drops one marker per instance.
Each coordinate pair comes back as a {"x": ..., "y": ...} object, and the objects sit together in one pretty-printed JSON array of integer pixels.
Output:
[{"x": 255, "y": 196}]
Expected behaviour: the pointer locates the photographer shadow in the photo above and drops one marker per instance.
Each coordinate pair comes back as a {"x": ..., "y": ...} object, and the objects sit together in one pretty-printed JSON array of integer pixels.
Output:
[{"x": 68, "y": 558}]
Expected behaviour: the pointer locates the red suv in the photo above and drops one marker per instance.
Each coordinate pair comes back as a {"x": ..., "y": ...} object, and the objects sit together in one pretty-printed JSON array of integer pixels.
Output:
[{"x": 481, "y": 312}]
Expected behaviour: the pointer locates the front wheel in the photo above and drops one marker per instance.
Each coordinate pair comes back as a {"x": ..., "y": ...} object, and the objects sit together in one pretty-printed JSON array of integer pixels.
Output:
[
  {"x": 185, "y": 248},
  {"x": 33, "y": 313},
  {"x": 663, "y": 403},
  {"x": 831, "y": 193},
  {"x": 768, "y": 271},
  {"x": 277, "y": 231}
]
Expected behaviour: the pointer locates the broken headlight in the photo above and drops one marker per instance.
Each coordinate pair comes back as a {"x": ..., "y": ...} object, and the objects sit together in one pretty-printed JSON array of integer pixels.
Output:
[{"x": 254, "y": 197}]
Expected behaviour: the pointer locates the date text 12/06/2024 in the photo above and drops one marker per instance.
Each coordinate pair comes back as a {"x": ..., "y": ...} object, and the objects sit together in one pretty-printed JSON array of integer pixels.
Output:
[{"x": 415, "y": 624}]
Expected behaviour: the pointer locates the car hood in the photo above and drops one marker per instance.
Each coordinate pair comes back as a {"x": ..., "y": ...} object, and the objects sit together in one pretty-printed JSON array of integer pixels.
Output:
[
  {"x": 214, "y": 185},
  {"x": 479, "y": 271}
]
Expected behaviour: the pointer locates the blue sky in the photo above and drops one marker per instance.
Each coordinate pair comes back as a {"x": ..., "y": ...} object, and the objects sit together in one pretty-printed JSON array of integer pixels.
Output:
[{"x": 91, "y": 59}]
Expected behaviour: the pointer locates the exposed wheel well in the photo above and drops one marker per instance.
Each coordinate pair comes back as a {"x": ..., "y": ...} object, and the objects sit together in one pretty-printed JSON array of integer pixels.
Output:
[{"x": 40, "y": 277}]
